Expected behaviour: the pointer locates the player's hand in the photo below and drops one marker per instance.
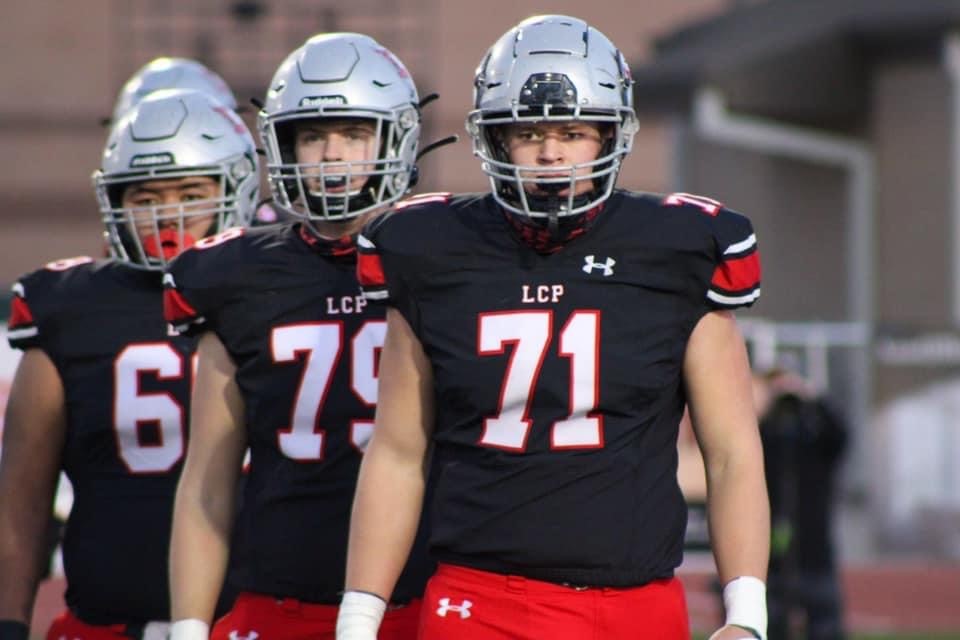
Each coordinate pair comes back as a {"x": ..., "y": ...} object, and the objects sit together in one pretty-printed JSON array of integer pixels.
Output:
[{"x": 730, "y": 632}]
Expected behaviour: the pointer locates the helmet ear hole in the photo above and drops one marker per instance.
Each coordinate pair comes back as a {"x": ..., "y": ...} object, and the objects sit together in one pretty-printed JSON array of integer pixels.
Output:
[
  {"x": 497, "y": 141},
  {"x": 115, "y": 194},
  {"x": 286, "y": 140}
]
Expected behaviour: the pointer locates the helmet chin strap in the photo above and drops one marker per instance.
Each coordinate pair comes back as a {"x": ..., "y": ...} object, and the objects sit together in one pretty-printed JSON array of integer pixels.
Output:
[
  {"x": 348, "y": 202},
  {"x": 552, "y": 206},
  {"x": 553, "y": 224}
]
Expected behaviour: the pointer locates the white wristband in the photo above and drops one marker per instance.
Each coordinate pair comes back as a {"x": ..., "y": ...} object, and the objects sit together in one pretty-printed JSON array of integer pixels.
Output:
[
  {"x": 189, "y": 629},
  {"x": 745, "y": 599},
  {"x": 359, "y": 616}
]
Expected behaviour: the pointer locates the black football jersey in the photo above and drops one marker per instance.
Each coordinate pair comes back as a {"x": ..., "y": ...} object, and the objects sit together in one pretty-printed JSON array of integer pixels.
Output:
[
  {"x": 127, "y": 384},
  {"x": 558, "y": 376},
  {"x": 306, "y": 346}
]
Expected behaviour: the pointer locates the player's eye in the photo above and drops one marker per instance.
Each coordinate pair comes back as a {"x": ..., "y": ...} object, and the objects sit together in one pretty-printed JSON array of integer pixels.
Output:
[
  {"x": 309, "y": 137},
  {"x": 528, "y": 135},
  {"x": 358, "y": 134},
  {"x": 144, "y": 201}
]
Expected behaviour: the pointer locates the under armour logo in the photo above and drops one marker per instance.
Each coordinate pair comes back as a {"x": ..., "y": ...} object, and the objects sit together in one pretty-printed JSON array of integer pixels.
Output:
[
  {"x": 589, "y": 264},
  {"x": 463, "y": 608},
  {"x": 253, "y": 635}
]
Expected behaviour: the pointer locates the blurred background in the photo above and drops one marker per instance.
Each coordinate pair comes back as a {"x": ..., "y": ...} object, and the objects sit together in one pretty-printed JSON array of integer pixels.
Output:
[
  {"x": 833, "y": 124},
  {"x": 65, "y": 63}
]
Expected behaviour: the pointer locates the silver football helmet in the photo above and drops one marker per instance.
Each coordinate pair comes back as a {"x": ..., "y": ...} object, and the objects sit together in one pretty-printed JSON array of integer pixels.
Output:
[
  {"x": 173, "y": 134},
  {"x": 171, "y": 73},
  {"x": 552, "y": 68},
  {"x": 340, "y": 76}
]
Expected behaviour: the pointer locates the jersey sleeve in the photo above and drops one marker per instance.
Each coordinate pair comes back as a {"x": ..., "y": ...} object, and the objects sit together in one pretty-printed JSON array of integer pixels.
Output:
[
  {"x": 198, "y": 281},
  {"x": 735, "y": 282},
  {"x": 373, "y": 280},
  {"x": 380, "y": 270},
  {"x": 37, "y": 300},
  {"x": 22, "y": 330}
]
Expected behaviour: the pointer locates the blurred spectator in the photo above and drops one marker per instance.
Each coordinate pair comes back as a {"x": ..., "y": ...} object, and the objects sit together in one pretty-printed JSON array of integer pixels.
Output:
[{"x": 803, "y": 443}]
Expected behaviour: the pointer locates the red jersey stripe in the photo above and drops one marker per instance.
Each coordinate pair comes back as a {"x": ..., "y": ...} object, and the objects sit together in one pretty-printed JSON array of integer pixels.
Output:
[
  {"x": 176, "y": 309},
  {"x": 20, "y": 314},
  {"x": 737, "y": 274},
  {"x": 370, "y": 270}
]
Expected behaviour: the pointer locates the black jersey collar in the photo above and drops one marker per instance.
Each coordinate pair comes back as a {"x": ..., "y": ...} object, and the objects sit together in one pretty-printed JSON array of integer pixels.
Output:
[
  {"x": 539, "y": 238},
  {"x": 344, "y": 247}
]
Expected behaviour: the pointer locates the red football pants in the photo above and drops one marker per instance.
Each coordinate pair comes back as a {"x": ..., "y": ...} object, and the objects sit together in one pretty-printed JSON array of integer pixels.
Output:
[
  {"x": 467, "y": 604},
  {"x": 273, "y": 618},
  {"x": 67, "y": 625}
]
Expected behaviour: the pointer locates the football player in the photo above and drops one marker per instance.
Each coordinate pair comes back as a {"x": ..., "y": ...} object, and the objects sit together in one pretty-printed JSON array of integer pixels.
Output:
[
  {"x": 544, "y": 338},
  {"x": 160, "y": 73},
  {"x": 289, "y": 354},
  {"x": 102, "y": 390}
]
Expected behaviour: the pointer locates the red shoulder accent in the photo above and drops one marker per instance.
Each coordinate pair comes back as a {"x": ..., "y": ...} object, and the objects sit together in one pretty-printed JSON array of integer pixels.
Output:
[
  {"x": 737, "y": 274},
  {"x": 20, "y": 314},
  {"x": 370, "y": 270},
  {"x": 176, "y": 309}
]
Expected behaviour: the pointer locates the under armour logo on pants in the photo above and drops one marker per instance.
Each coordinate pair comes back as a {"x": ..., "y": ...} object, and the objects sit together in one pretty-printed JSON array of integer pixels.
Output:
[{"x": 463, "y": 608}]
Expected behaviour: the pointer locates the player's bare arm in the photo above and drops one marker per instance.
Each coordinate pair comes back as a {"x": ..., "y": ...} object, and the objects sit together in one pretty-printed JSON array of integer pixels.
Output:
[
  {"x": 33, "y": 436},
  {"x": 384, "y": 523},
  {"x": 717, "y": 375},
  {"x": 203, "y": 511}
]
